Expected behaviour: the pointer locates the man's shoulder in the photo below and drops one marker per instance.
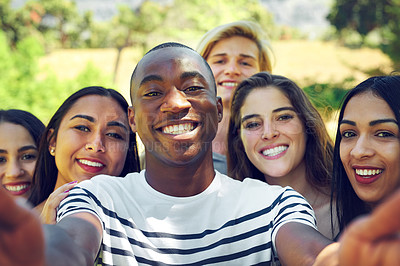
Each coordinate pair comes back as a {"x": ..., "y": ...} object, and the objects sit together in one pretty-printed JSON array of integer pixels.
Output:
[
  {"x": 108, "y": 181},
  {"x": 250, "y": 185}
]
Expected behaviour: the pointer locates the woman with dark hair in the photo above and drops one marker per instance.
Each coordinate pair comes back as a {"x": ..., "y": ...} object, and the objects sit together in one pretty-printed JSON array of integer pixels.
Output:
[
  {"x": 88, "y": 135},
  {"x": 20, "y": 133},
  {"x": 277, "y": 136},
  {"x": 367, "y": 148}
]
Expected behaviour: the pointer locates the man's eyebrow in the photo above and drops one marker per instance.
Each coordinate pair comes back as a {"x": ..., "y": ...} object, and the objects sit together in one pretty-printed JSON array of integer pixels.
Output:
[
  {"x": 192, "y": 74},
  {"x": 27, "y": 147},
  {"x": 117, "y": 124},
  {"x": 381, "y": 121},
  {"x": 89, "y": 118},
  {"x": 150, "y": 78}
]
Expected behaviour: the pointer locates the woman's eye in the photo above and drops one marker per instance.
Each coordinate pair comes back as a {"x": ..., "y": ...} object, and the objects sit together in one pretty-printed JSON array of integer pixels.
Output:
[
  {"x": 28, "y": 156},
  {"x": 285, "y": 117},
  {"x": 82, "y": 128},
  {"x": 115, "y": 135},
  {"x": 348, "y": 134},
  {"x": 246, "y": 64},
  {"x": 252, "y": 125},
  {"x": 3, "y": 160},
  {"x": 385, "y": 134}
]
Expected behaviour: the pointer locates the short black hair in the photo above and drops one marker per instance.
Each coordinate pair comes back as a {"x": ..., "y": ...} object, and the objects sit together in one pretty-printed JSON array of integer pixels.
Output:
[{"x": 176, "y": 45}]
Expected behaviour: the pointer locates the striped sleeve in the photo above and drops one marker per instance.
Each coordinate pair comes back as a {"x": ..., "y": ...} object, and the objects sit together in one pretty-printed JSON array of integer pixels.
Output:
[
  {"x": 292, "y": 207},
  {"x": 78, "y": 200}
]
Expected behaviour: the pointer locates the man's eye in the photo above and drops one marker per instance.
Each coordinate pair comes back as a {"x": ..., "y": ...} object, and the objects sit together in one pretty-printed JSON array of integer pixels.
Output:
[
  {"x": 152, "y": 94},
  {"x": 193, "y": 88}
]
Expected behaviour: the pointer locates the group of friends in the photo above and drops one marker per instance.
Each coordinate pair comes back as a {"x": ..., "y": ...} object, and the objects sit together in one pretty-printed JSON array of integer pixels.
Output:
[{"x": 238, "y": 167}]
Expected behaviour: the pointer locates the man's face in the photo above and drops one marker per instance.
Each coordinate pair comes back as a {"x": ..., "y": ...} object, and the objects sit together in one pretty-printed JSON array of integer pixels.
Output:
[{"x": 175, "y": 110}]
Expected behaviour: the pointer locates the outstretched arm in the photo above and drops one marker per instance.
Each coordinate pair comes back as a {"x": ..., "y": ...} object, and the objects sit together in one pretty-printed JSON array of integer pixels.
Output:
[
  {"x": 374, "y": 239},
  {"x": 299, "y": 244},
  {"x": 21, "y": 235},
  {"x": 370, "y": 240},
  {"x": 74, "y": 241}
]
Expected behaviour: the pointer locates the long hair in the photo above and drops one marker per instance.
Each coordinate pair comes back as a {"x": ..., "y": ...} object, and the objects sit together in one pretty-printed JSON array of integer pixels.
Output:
[
  {"x": 319, "y": 148},
  {"x": 23, "y": 118},
  {"x": 45, "y": 175},
  {"x": 348, "y": 204},
  {"x": 247, "y": 29}
]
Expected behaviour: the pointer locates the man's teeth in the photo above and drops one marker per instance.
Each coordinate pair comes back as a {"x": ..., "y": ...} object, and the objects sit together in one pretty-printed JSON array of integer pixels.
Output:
[
  {"x": 274, "y": 151},
  {"x": 229, "y": 84},
  {"x": 178, "y": 129},
  {"x": 368, "y": 172},
  {"x": 90, "y": 163},
  {"x": 17, "y": 188}
]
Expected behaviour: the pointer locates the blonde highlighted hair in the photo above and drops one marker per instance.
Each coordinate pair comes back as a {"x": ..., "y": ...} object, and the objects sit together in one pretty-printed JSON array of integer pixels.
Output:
[{"x": 247, "y": 29}]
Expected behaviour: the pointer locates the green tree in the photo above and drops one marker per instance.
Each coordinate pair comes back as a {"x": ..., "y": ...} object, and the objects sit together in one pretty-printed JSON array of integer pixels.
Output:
[
  {"x": 189, "y": 20},
  {"x": 132, "y": 27},
  {"x": 19, "y": 23},
  {"x": 366, "y": 16}
]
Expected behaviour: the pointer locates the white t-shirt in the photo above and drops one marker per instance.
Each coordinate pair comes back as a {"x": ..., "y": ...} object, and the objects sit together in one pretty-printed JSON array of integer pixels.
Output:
[{"x": 231, "y": 222}]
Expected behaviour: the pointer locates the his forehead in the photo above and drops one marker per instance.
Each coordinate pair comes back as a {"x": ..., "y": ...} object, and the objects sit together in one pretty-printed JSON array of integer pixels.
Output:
[
  {"x": 172, "y": 55},
  {"x": 160, "y": 63}
]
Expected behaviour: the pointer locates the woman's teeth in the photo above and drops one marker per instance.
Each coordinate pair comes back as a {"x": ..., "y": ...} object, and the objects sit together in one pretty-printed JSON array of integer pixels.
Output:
[
  {"x": 90, "y": 163},
  {"x": 17, "y": 188},
  {"x": 368, "y": 172},
  {"x": 274, "y": 151}
]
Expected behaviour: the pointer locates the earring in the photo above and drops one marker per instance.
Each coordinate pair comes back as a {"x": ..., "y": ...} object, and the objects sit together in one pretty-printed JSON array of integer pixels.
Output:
[{"x": 52, "y": 151}]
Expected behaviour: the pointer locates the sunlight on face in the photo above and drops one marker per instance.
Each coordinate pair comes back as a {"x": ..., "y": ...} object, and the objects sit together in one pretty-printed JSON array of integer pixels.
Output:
[
  {"x": 92, "y": 139},
  {"x": 272, "y": 134},
  {"x": 232, "y": 60},
  {"x": 18, "y": 155},
  {"x": 370, "y": 147}
]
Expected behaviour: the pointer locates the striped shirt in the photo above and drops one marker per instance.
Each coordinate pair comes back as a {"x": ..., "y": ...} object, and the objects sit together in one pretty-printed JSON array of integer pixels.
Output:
[{"x": 231, "y": 222}]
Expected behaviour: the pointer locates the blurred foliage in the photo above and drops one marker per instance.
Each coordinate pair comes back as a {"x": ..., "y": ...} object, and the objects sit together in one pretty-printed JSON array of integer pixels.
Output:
[
  {"x": 371, "y": 22},
  {"x": 24, "y": 87},
  {"x": 40, "y": 26},
  {"x": 327, "y": 97}
]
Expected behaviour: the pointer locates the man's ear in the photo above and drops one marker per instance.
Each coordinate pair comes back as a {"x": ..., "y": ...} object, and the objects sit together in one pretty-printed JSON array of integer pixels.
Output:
[
  {"x": 219, "y": 108},
  {"x": 51, "y": 139},
  {"x": 131, "y": 118}
]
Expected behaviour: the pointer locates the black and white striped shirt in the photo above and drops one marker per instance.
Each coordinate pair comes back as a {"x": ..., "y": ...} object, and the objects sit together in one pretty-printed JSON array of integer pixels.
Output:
[{"x": 231, "y": 222}]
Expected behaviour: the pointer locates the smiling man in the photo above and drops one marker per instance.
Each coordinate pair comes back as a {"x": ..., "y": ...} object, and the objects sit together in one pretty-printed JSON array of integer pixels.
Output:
[{"x": 178, "y": 211}]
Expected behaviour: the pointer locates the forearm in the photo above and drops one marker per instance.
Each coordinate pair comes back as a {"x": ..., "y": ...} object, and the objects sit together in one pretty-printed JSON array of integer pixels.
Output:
[
  {"x": 71, "y": 247},
  {"x": 299, "y": 244}
]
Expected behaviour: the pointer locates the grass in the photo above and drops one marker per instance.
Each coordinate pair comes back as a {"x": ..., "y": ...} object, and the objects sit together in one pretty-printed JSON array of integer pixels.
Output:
[{"x": 305, "y": 62}]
